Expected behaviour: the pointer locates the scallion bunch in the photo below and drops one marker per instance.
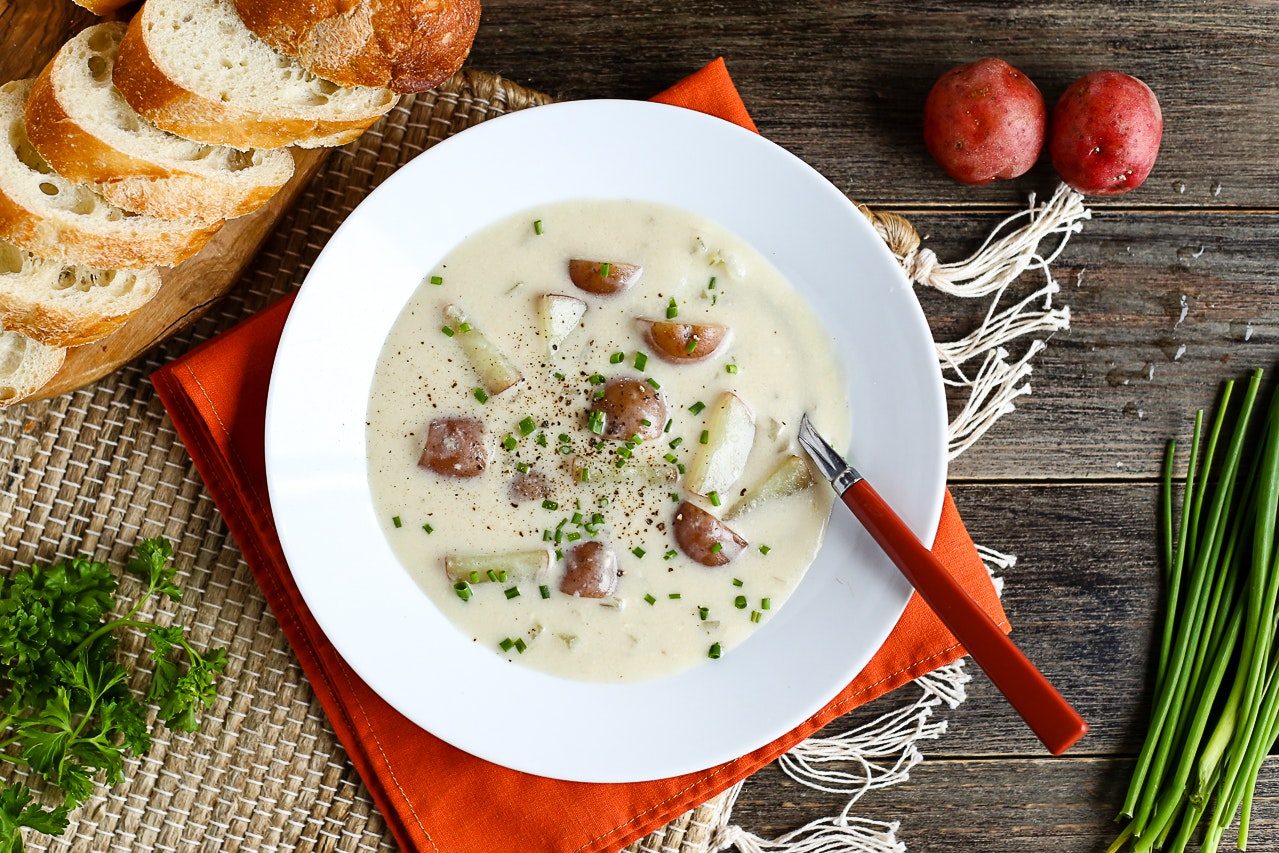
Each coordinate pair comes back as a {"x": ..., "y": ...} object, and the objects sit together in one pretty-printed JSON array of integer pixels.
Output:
[{"x": 1216, "y": 701}]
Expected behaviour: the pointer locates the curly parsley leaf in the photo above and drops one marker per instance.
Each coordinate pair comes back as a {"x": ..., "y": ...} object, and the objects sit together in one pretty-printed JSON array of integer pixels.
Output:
[{"x": 66, "y": 709}]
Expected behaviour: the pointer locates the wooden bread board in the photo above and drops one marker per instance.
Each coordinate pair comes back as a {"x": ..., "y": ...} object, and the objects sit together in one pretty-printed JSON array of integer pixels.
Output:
[{"x": 31, "y": 32}]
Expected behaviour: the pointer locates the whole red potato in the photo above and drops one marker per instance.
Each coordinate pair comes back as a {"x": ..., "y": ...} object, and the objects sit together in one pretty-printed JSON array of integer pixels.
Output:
[
  {"x": 1105, "y": 133},
  {"x": 985, "y": 121}
]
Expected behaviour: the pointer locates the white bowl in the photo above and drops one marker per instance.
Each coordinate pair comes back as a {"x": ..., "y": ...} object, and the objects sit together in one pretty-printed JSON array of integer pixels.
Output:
[{"x": 389, "y": 631}]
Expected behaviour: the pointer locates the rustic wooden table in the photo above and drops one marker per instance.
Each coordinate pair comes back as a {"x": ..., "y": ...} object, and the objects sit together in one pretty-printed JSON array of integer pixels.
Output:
[
  {"x": 1068, "y": 482},
  {"x": 1171, "y": 287}
]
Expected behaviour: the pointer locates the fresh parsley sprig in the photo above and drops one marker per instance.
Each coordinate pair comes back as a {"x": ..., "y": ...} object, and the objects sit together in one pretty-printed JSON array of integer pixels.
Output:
[{"x": 67, "y": 712}]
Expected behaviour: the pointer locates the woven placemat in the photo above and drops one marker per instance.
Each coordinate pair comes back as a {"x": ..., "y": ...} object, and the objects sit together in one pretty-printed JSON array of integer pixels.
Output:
[{"x": 95, "y": 471}]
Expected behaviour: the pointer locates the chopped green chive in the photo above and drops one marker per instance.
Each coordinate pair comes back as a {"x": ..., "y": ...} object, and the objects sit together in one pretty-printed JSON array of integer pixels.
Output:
[
  {"x": 550, "y": 504},
  {"x": 766, "y": 604},
  {"x": 674, "y": 498},
  {"x": 738, "y": 582},
  {"x": 740, "y": 602},
  {"x": 764, "y": 549},
  {"x": 730, "y": 368},
  {"x": 671, "y": 458},
  {"x": 520, "y": 646},
  {"x": 645, "y": 422},
  {"x": 596, "y": 379},
  {"x": 558, "y": 375},
  {"x": 540, "y": 438},
  {"x": 527, "y": 426},
  {"x": 446, "y": 330},
  {"x": 670, "y": 555},
  {"x": 464, "y": 327},
  {"x": 537, "y": 227},
  {"x": 481, "y": 395},
  {"x": 605, "y": 269},
  {"x": 705, "y": 437},
  {"x": 703, "y": 612},
  {"x": 667, "y": 428},
  {"x": 507, "y": 644},
  {"x": 573, "y": 537},
  {"x": 697, "y": 407},
  {"x": 437, "y": 279},
  {"x": 679, "y": 467},
  {"x": 692, "y": 344},
  {"x": 714, "y": 498},
  {"x": 717, "y": 547},
  {"x": 595, "y": 422},
  {"x": 675, "y": 442},
  {"x": 584, "y": 475},
  {"x": 755, "y": 615},
  {"x": 617, "y": 358},
  {"x": 674, "y": 596},
  {"x": 672, "y": 310},
  {"x": 544, "y": 591},
  {"x": 657, "y": 386},
  {"x": 475, "y": 577},
  {"x": 511, "y": 592},
  {"x": 509, "y": 442},
  {"x": 649, "y": 598},
  {"x": 396, "y": 521},
  {"x": 522, "y": 467},
  {"x": 641, "y": 361},
  {"x": 714, "y": 652},
  {"x": 638, "y": 552},
  {"x": 501, "y": 575},
  {"x": 463, "y": 590},
  {"x": 711, "y": 285},
  {"x": 428, "y": 528},
  {"x": 491, "y": 575}
]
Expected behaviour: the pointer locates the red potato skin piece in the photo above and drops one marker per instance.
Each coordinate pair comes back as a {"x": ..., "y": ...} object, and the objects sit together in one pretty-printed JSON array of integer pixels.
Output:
[
  {"x": 697, "y": 532},
  {"x": 985, "y": 121},
  {"x": 590, "y": 571},
  {"x": 455, "y": 448},
  {"x": 1106, "y": 132}
]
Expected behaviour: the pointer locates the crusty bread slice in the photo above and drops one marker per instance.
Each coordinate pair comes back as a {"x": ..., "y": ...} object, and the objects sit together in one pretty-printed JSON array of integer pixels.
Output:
[
  {"x": 406, "y": 45},
  {"x": 68, "y": 305},
  {"x": 102, "y": 7},
  {"x": 26, "y": 366},
  {"x": 192, "y": 68},
  {"x": 54, "y": 218},
  {"x": 83, "y": 128}
]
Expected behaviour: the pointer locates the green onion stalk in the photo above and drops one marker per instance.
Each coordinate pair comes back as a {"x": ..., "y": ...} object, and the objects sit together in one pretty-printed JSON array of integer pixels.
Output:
[{"x": 1215, "y": 713}]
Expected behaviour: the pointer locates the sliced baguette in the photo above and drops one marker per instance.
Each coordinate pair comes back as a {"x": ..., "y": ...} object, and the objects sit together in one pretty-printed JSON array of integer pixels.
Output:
[
  {"x": 192, "y": 68},
  {"x": 79, "y": 123},
  {"x": 102, "y": 7},
  {"x": 406, "y": 45},
  {"x": 67, "y": 305},
  {"x": 54, "y": 218},
  {"x": 26, "y": 366}
]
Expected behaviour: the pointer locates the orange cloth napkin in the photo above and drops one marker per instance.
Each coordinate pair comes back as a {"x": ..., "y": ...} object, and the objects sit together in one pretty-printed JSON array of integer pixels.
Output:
[{"x": 433, "y": 796}]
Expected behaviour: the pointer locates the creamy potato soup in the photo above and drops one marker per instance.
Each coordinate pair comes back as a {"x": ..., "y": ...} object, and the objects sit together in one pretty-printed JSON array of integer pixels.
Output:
[{"x": 582, "y": 438}]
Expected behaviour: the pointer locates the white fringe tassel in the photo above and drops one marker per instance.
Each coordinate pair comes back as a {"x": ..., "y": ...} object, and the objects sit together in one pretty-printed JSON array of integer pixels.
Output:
[
  {"x": 991, "y": 270},
  {"x": 882, "y": 752}
]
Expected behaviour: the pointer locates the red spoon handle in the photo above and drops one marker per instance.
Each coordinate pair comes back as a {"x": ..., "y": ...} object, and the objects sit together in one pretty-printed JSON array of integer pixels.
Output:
[{"x": 1049, "y": 715}]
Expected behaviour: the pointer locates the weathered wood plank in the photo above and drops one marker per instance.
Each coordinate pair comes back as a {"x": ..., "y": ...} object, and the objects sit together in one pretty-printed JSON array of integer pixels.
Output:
[
  {"x": 1131, "y": 370},
  {"x": 1014, "y": 805},
  {"x": 842, "y": 84}
]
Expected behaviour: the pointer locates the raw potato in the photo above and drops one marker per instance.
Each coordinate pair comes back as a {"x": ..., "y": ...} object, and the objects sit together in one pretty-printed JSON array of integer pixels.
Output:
[
  {"x": 790, "y": 476},
  {"x": 681, "y": 342},
  {"x": 730, "y": 434},
  {"x": 519, "y": 566},
  {"x": 590, "y": 571},
  {"x": 496, "y": 371},
  {"x": 704, "y": 538},
  {"x": 984, "y": 122},
  {"x": 603, "y": 278},
  {"x": 560, "y": 316},
  {"x": 1106, "y": 131}
]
